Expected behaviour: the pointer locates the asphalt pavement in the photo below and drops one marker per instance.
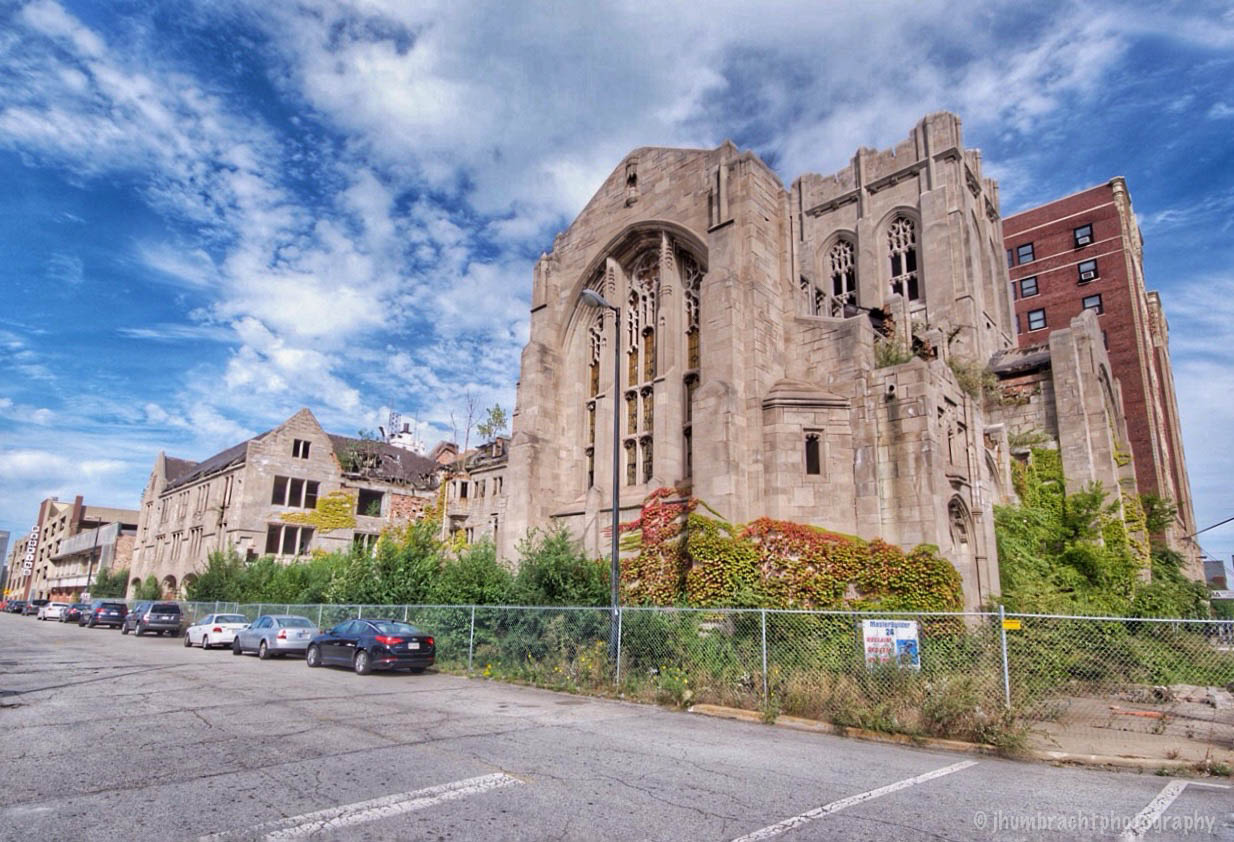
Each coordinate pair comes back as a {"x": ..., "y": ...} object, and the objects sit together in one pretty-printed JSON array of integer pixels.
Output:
[{"x": 104, "y": 736}]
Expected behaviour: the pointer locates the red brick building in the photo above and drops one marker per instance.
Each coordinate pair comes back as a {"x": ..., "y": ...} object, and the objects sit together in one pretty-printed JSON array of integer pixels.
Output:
[{"x": 1084, "y": 251}]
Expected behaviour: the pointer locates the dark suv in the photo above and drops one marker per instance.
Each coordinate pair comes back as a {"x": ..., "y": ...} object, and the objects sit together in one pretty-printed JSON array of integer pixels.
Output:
[
  {"x": 161, "y": 617},
  {"x": 103, "y": 612},
  {"x": 32, "y": 607}
]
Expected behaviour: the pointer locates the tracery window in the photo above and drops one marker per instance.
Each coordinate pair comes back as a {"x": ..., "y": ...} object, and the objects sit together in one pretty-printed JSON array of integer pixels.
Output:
[
  {"x": 642, "y": 312},
  {"x": 843, "y": 266},
  {"x": 595, "y": 344},
  {"x": 902, "y": 248}
]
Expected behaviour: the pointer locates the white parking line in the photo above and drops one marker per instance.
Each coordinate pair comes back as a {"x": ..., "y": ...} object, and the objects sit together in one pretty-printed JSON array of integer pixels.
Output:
[
  {"x": 1147, "y": 817},
  {"x": 385, "y": 807},
  {"x": 843, "y": 803}
]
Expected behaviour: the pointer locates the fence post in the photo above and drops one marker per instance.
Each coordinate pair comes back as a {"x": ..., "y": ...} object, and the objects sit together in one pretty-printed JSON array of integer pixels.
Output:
[
  {"x": 359, "y": 612},
  {"x": 1002, "y": 631},
  {"x": 319, "y": 615},
  {"x": 617, "y": 676},
  {"x": 404, "y": 613},
  {"x": 763, "y": 615},
  {"x": 471, "y": 638},
  {"x": 216, "y": 606}
]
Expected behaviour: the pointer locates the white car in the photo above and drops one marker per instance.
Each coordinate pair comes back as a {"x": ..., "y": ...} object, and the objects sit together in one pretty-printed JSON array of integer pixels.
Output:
[
  {"x": 215, "y": 630},
  {"x": 52, "y": 610}
]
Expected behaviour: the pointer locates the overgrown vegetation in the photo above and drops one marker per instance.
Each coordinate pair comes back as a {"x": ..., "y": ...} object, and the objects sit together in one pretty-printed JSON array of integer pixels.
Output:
[
  {"x": 149, "y": 589},
  {"x": 1079, "y": 554},
  {"x": 973, "y": 377},
  {"x": 411, "y": 565},
  {"x": 107, "y": 584},
  {"x": 889, "y": 351}
]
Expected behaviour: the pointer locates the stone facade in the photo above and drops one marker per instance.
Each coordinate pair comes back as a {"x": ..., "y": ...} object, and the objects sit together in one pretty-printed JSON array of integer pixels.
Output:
[
  {"x": 1084, "y": 252},
  {"x": 756, "y": 327},
  {"x": 821, "y": 353},
  {"x": 475, "y": 497},
  {"x": 279, "y": 494}
]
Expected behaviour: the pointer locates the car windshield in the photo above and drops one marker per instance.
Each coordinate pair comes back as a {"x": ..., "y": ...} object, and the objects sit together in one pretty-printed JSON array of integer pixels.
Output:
[
  {"x": 166, "y": 608},
  {"x": 294, "y": 623},
  {"x": 231, "y": 618},
  {"x": 396, "y": 628},
  {"x": 111, "y": 605},
  {"x": 60, "y": 605},
  {"x": 80, "y": 605}
]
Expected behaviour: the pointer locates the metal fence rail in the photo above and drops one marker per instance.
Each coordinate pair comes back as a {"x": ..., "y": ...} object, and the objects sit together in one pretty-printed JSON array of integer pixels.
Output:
[{"x": 962, "y": 675}]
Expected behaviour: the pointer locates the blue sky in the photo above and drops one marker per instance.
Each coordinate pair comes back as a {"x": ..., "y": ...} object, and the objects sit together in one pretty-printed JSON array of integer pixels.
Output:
[{"x": 215, "y": 212}]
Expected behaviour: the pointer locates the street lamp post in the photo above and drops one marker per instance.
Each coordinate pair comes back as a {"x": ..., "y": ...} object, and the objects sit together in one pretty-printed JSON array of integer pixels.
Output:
[{"x": 594, "y": 299}]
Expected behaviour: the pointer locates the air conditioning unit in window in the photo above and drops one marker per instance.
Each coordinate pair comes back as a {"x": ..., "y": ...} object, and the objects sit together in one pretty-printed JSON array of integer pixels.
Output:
[
  {"x": 1087, "y": 276},
  {"x": 1083, "y": 240}
]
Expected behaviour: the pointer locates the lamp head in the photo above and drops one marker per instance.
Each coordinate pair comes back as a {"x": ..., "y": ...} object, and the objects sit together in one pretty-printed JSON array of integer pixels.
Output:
[{"x": 593, "y": 299}]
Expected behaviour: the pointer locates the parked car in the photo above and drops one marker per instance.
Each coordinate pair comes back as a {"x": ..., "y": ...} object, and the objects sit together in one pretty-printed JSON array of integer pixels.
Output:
[
  {"x": 33, "y": 606},
  {"x": 73, "y": 613},
  {"x": 52, "y": 610},
  {"x": 15, "y": 606},
  {"x": 366, "y": 645},
  {"x": 215, "y": 630},
  {"x": 160, "y": 617},
  {"x": 103, "y": 612},
  {"x": 275, "y": 634},
  {"x": 130, "y": 619}
]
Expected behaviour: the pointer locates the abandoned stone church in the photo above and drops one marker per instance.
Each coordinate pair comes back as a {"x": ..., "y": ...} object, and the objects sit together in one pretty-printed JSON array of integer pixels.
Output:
[{"x": 798, "y": 353}]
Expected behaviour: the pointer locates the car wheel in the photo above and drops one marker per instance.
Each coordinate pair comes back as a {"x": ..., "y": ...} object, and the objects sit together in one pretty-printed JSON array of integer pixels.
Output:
[
  {"x": 124, "y": 628},
  {"x": 235, "y": 647},
  {"x": 205, "y": 642},
  {"x": 263, "y": 651},
  {"x": 90, "y": 624},
  {"x": 187, "y": 642},
  {"x": 312, "y": 657},
  {"x": 138, "y": 630},
  {"x": 361, "y": 664}
]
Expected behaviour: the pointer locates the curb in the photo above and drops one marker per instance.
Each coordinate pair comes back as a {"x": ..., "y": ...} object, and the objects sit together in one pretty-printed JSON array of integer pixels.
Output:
[{"x": 814, "y": 726}]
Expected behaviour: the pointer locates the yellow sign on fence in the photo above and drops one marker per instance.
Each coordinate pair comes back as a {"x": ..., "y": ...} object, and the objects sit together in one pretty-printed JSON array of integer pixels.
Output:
[{"x": 1011, "y": 625}]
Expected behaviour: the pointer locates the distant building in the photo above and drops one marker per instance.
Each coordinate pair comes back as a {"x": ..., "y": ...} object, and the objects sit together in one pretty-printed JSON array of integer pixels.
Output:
[
  {"x": 37, "y": 571},
  {"x": 79, "y": 558},
  {"x": 287, "y": 492},
  {"x": 475, "y": 499},
  {"x": 1084, "y": 253}
]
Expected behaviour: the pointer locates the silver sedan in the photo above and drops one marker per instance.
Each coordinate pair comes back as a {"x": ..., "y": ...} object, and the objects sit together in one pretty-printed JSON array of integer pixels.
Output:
[
  {"x": 275, "y": 634},
  {"x": 215, "y": 630}
]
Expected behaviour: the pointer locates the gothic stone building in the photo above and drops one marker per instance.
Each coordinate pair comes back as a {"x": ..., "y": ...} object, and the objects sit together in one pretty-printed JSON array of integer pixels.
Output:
[
  {"x": 764, "y": 351},
  {"x": 261, "y": 497}
]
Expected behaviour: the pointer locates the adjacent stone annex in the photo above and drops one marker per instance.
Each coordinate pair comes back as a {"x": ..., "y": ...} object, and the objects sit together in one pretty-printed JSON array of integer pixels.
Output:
[{"x": 818, "y": 353}]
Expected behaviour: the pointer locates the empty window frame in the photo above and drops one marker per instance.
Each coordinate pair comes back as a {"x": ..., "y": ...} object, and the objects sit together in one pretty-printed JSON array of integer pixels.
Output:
[
  {"x": 300, "y": 449},
  {"x": 290, "y": 491},
  {"x": 1087, "y": 270},
  {"x": 1010, "y": 258},
  {"x": 1028, "y": 286},
  {"x": 282, "y": 539},
  {"x": 1024, "y": 253},
  {"x": 1036, "y": 319},
  {"x": 368, "y": 502},
  {"x": 1083, "y": 235},
  {"x": 1093, "y": 302},
  {"x": 364, "y": 542},
  {"x": 814, "y": 459}
]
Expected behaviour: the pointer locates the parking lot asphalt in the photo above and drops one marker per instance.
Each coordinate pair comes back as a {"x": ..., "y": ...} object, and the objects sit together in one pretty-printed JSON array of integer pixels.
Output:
[{"x": 104, "y": 736}]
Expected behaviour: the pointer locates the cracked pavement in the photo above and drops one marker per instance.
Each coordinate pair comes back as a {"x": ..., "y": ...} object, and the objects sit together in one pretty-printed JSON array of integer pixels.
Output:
[{"x": 104, "y": 736}]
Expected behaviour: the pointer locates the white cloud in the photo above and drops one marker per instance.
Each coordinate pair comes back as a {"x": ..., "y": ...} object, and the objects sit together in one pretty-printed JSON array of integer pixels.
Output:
[{"x": 1220, "y": 111}]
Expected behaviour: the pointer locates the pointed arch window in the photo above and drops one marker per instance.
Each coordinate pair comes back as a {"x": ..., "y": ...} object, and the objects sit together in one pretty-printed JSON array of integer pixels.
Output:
[
  {"x": 842, "y": 264},
  {"x": 902, "y": 249},
  {"x": 642, "y": 314}
]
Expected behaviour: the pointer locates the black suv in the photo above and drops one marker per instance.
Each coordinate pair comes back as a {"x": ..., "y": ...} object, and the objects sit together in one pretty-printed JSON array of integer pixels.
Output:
[
  {"x": 161, "y": 617},
  {"x": 103, "y": 612}
]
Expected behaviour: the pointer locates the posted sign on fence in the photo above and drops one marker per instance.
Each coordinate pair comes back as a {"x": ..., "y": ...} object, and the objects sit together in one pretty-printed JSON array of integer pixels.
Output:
[{"x": 891, "y": 642}]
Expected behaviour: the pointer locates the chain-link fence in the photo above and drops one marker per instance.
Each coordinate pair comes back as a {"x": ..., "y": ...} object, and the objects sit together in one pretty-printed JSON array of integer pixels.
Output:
[{"x": 978, "y": 676}]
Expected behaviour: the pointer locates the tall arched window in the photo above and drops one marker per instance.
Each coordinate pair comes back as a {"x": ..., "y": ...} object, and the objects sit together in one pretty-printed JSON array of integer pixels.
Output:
[
  {"x": 595, "y": 344},
  {"x": 692, "y": 283},
  {"x": 642, "y": 310},
  {"x": 843, "y": 267},
  {"x": 902, "y": 248}
]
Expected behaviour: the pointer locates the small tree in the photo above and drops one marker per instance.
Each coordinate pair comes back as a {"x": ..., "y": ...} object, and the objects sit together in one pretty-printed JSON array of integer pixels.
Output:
[
  {"x": 109, "y": 584},
  {"x": 494, "y": 423},
  {"x": 148, "y": 590}
]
